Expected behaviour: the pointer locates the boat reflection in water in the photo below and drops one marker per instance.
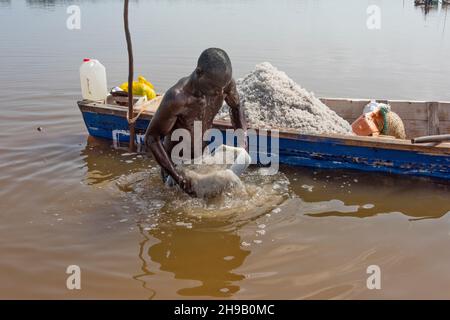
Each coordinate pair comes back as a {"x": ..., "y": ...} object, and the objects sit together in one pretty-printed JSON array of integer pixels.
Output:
[
  {"x": 427, "y": 6},
  {"x": 205, "y": 258},
  {"x": 196, "y": 248},
  {"x": 196, "y": 240}
]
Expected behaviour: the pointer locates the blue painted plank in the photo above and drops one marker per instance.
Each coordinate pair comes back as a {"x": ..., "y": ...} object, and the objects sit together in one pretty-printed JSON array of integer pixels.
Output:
[{"x": 325, "y": 153}]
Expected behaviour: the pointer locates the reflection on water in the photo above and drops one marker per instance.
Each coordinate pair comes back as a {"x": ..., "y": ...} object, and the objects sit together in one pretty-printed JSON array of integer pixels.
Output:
[
  {"x": 427, "y": 6},
  {"x": 203, "y": 255},
  {"x": 105, "y": 164},
  {"x": 362, "y": 195},
  {"x": 45, "y": 3},
  {"x": 201, "y": 245},
  {"x": 197, "y": 239},
  {"x": 48, "y": 4}
]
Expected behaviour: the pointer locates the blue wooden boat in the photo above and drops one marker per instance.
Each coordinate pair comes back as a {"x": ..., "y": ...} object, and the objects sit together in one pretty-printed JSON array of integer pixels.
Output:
[{"x": 108, "y": 120}]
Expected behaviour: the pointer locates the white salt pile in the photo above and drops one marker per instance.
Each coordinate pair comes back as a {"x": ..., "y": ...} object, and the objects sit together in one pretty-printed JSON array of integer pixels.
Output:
[{"x": 272, "y": 100}]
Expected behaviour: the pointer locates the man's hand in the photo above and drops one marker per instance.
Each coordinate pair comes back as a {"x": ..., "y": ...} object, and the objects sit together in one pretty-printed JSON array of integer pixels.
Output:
[{"x": 185, "y": 184}]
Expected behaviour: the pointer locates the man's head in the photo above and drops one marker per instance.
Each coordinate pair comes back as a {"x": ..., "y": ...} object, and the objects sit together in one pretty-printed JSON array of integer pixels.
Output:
[{"x": 213, "y": 71}]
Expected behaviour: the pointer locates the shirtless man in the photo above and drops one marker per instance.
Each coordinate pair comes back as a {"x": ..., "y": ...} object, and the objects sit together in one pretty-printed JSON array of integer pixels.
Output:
[{"x": 197, "y": 97}]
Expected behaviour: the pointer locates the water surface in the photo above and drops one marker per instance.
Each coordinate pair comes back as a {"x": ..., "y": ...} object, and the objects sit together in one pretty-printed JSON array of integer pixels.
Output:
[{"x": 68, "y": 199}]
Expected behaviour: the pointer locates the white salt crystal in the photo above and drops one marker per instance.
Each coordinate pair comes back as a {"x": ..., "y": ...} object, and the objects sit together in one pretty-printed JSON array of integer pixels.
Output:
[{"x": 272, "y": 100}]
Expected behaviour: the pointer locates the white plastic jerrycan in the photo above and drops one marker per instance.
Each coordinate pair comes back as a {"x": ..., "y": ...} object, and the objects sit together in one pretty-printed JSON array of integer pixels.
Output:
[{"x": 93, "y": 80}]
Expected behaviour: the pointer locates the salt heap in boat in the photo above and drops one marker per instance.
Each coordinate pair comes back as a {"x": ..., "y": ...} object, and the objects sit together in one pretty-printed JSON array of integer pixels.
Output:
[{"x": 272, "y": 100}]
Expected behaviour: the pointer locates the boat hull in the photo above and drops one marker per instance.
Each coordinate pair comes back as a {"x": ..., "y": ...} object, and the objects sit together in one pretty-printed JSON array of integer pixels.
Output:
[{"x": 318, "y": 151}]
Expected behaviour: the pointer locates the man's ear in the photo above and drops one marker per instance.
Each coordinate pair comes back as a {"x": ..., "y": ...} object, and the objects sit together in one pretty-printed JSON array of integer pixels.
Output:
[{"x": 198, "y": 71}]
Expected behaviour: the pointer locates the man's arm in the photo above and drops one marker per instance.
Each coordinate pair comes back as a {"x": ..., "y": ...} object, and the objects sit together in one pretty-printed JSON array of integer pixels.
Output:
[
  {"x": 236, "y": 111},
  {"x": 160, "y": 126}
]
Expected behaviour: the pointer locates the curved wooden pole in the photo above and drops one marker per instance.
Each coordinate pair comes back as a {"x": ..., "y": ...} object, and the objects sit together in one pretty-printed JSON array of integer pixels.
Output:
[{"x": 130, "y": 74}]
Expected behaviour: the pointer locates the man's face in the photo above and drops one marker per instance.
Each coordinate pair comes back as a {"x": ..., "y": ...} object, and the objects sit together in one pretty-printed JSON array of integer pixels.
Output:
[{"x": 213, "y": 85}]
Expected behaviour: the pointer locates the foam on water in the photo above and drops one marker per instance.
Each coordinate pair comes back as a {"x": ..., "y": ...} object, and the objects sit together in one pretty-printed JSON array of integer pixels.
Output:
[{"x": 256, "y": 196}]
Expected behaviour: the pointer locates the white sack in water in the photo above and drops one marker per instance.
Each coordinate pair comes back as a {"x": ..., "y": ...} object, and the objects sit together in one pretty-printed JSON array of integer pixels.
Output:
[
  {"x": 219, "y": 171},
  {"x": 213, "y": 183}
]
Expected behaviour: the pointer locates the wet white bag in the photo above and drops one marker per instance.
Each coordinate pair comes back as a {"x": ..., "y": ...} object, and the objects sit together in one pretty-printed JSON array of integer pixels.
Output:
[{"x": 219, "y": 171}]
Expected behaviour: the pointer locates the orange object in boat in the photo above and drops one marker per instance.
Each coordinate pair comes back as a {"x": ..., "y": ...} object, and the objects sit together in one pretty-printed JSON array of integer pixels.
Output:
[{"x": 367, "y": 124}]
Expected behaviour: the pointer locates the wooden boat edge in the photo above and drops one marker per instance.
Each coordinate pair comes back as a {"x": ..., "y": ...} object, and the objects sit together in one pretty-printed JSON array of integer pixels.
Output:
[{"x": 370, "y": 142}]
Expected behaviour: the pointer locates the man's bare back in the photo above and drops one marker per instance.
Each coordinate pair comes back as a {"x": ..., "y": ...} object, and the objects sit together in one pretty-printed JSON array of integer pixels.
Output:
[{"x": 197, "y": 97}]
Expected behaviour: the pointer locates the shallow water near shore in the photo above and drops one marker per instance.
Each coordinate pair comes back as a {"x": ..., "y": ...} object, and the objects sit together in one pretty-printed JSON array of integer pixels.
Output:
[{"x": 66, "y": 198}]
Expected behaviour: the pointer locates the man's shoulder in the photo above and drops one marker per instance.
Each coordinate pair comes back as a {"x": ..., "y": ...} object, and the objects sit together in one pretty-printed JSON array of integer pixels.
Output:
[
  {"x": 231, "y": 86},
  {"x": 176, "y": 93}
]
